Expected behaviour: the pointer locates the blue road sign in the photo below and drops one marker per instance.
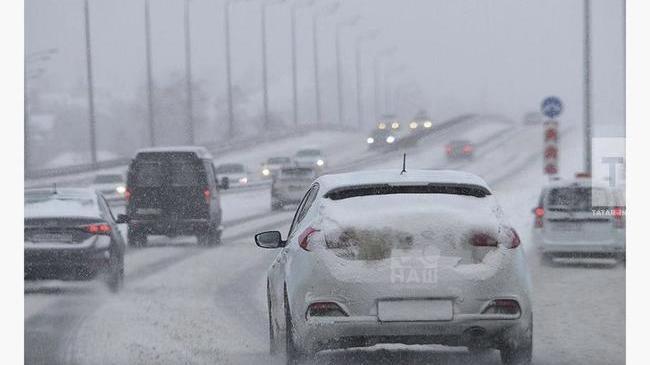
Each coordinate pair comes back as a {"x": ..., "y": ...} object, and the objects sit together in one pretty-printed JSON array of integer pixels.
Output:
[{"x": 552, "y": 106}]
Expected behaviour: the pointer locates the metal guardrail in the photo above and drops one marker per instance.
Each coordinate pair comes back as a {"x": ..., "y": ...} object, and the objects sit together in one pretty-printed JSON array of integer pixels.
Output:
[{"x": 215, "y": 148}]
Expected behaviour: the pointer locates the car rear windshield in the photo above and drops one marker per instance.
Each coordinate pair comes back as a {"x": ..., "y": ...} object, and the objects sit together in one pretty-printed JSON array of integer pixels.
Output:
[
  {"x": 230, "y": 169},
  {"x": 60, "y": 205},
  {"x": 174, "y": 171},
  {"x": 279, "y": 160},
  {"x": 297, "y": 173},
  {"x": 577, "y": 198},
  {"x": 147, "y": 174},
  {"x": 386, "y": 189},
  {"x": 108, "y": 179},
  {"x": 308, "y": 153}
]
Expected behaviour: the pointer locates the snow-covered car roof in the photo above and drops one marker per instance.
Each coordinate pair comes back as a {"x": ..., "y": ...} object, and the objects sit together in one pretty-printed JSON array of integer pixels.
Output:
[
  {"x": 579, "y": 182},
  {"x": 61, "y": 202},
  {"x": 393, "y": 177},
  {"x": 201, "y": 152}
]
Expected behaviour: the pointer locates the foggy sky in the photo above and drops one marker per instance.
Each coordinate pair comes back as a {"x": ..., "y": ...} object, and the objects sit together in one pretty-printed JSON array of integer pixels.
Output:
[{"x": 496, "y": 56}]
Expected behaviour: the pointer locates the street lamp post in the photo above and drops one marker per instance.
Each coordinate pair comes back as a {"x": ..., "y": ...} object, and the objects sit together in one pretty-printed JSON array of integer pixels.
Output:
[
  {"x": 326, "y": 11},
  {"x": 294, "y": 59},
  {"x": 587, "y": 85},
  {"x": 188, "y": 75},
  {"x": 91, "y": 96},
  {"x": 147, "y": 32},
  {"x": 359, "y": 73},
  {"x": 265, "y": 79},
  {"x": 339, "y": 77}
]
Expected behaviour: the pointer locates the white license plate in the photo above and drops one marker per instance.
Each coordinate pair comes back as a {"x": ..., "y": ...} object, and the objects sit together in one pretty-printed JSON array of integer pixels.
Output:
[
  {"x": 568, "y": 227},
  {"x": 51, "y": 237},
  {"x": 415, "y": 310}
]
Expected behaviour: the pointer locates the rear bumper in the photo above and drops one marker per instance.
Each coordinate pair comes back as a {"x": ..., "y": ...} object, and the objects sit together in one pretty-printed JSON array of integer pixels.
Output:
[
  {"x": 582, "y": 247},
  {"x": 463, "y": 330},
  {"x": 65, "y": 264},
  {"x": 168, "y": 227}
]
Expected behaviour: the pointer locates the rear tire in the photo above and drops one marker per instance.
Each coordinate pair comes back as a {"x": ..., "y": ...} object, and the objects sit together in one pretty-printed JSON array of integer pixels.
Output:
[
  {"x": 136, "y": 238},
  {"x": 519, "y": 352},
  {"x": 293, "y": 356},
  {"x": 210, "y": 238},
  {"x": 115, "y": 274}
]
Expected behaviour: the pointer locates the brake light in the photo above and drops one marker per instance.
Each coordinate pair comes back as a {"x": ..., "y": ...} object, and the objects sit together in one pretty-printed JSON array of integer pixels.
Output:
[
  {"x": 539, "y": 217},
  {"x": 503, "y": 306},
  {"x": 98, "y": 228},
  {"x": 515, "y": 241},
  {"x": 127, "y": 194},
  {"x": 617, "y": 213},
  {"x": 483, "y": 240},
  {"x": 325, "y": 309},
  {"x": 206, "y": 195},
  {"x": 303, "y": 239},
  {"x": 468, "y": 149},
  {"x": 448, "y": 148}
]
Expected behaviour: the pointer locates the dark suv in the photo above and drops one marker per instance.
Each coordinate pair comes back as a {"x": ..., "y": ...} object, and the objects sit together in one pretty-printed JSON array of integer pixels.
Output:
[{"x": 173, "y": 191}]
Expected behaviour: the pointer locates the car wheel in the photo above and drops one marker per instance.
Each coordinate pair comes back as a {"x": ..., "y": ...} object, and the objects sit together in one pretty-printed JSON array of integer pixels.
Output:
[
  {"x": 519, "y": 352},
  {"x": 115, "y": 275},
  {"x": 293, "y": 356},
  {"x": 273, "y": 347},
  {"x": 136, "y": 238}
]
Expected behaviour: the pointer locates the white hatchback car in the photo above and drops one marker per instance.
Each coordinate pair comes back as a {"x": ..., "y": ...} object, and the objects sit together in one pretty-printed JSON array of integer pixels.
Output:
[
  {"x": 578, "y": 219},
  {"x": 416, "y": 258}
]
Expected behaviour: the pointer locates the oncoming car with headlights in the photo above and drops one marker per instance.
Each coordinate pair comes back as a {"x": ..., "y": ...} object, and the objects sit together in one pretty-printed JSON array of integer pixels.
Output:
[
  {"x": 310, "y": 157},
  {"x": 424, "y": 257},
  {"x": 273, "y": 165}
]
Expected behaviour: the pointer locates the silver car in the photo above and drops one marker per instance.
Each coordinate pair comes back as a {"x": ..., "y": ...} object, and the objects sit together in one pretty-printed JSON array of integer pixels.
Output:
[
  {"x": 576, "y": 219},
  {"x": 289, "y": 185},
  {"x": 382, "y": 257},
  {"x": 310, "y": 157}
]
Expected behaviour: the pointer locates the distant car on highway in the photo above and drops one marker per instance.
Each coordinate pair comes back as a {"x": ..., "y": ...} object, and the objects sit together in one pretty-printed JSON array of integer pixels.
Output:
[
  {"x": 377, "y": 138},
  {"x": 70, "y": 234},
  {"x": 236, "y": 173},
  {"x": 111, "y": 186},
  {"x": 173, "y": 191},
  {"x": 273, "y": 165},
  {"x": 289, "y": 185},
  {"x": 424, "y": 257},
  {"x": 310, "y": 157},
  {"x": 459, "y": 149},
  {"x": 575, "y": 219}
]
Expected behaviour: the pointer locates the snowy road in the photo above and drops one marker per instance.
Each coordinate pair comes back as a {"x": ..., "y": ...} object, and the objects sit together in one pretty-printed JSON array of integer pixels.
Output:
[{"x": 184, "y": 304}]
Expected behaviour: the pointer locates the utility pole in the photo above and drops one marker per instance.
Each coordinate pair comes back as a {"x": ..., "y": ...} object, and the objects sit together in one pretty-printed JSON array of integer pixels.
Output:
[
  {"x": 91, "y": 96},
  {"x": 339, "y": 73},
  {"x": 294, "y": 59},
  {"x": 265, "y": 78},
  {"x": 188, "y": 75},
  {"x": 587, "y": 86},
  {"x": 231, "y": 119},
  {"x": 147, "y": 32},
  {"x": 316, "y": 16},
  {"x": 359, "y": 73}
]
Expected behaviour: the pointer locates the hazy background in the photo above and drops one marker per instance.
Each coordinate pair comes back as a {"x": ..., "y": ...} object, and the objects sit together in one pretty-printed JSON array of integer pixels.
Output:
[{"x": 489, "y": 56}]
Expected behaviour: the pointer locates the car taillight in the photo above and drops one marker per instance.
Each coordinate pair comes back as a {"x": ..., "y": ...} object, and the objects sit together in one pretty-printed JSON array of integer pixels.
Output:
[
  {"x": 127, "y": 194},
  {"x": 539, "y": 217},
  {"x": 97, "y": 228},
  {"x": 483, "y": 240},
  {"x": 513, "y": 238},
  {"x": 503, "y": 306},
  {"x": 206, "y": 195},
  {"x": 468, "y": 149},
  {"x": 303, "y": 239},
  {"x": 325, "y": 309},
  {"x": 448, "y": 148},
  {"x": 617, "y": 213}
]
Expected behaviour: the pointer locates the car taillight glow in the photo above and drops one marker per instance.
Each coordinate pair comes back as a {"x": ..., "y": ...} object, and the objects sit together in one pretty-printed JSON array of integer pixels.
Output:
[
  {"x": 206, "y": 195},
  {"x": 448, "y": 148},
  {"x": 98, "y": 228},
  {"x": 539, "y": 217},
  {"x": 127, "y": 194},
  {"x": 503, "y": 306},
  {"x": 325, "y": 309},
  {"x": 468, "y": 149},
  {"x": 617, "y": 213},
  {"x": 303, "y": 239}
]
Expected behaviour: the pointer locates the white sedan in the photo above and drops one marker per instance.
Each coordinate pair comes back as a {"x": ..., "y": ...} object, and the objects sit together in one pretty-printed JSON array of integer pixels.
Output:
[{"x": 382, "y": 257}]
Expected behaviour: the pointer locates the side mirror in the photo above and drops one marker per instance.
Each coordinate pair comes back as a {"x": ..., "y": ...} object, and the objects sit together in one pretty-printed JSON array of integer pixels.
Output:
[
  {"x": 122, "y": 218},
  {"x": 225, "y": 183},
  {"x": 270, "y": 239}
]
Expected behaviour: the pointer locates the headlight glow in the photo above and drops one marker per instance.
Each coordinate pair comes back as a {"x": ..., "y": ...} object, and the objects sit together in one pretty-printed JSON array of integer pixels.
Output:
[
  {"x": 382, "y": 126},
  {"x": 370, "y": 140},
  {"x": 413, "y": 125},
  {"x": 320, "y": 162},
  {"x": 395, "y": 125},
  {"x": 243, "y": 180},
  {"x": 428, "y": 124},
  {"x": 120, "y": 189},
  {"x": 266, "y": 172},
  {"x": 390, "y": 139}
]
